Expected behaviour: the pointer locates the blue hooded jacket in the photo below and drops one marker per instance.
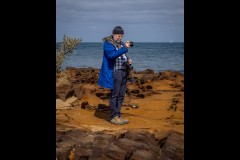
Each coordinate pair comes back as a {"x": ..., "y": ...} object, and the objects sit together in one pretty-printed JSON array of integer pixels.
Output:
[{"x": 106, "y": 77}]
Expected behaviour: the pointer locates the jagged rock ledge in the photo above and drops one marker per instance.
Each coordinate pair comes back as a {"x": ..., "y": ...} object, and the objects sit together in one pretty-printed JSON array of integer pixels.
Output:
[
  {"x": 70, "y": 82},
  {"x": 132, "y": 144}
]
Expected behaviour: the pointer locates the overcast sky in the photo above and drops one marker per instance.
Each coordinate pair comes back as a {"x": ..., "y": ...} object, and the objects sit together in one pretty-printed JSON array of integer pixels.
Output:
[{"x": 142, "y": 20}]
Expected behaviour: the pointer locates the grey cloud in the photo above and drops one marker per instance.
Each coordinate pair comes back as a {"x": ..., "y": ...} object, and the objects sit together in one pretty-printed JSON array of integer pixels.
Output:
[
  {"x": 107, "y": 10},
  {"x": 73, "y": 14},
  {"x": 116, "y": 5}
]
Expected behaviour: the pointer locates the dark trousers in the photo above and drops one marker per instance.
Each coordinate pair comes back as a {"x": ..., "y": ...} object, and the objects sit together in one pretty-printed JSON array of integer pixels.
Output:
[{"x": 118, "y": 92}]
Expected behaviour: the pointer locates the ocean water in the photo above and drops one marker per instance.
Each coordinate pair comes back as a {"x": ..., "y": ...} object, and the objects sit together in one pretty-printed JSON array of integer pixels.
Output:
[{"x": 157, "y": 56}]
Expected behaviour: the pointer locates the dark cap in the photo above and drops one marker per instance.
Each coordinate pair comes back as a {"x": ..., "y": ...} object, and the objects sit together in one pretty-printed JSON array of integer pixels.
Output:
[{"x": 118, "y": 30}]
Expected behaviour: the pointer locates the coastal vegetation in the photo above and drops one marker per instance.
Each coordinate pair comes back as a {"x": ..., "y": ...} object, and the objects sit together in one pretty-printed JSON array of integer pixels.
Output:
[{"x": 67, "y": 47}]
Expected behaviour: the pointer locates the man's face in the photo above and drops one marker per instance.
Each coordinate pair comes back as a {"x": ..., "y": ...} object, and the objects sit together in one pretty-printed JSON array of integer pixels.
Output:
[{"x": 117, "y": 37}]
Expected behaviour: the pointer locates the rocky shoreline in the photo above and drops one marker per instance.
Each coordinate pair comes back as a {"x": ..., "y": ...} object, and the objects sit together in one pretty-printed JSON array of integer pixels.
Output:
[{"x": 154, "y": 106}]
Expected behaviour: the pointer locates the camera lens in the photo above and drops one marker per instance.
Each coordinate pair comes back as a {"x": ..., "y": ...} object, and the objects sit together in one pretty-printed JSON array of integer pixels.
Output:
[{"x": 131, "y": 44}]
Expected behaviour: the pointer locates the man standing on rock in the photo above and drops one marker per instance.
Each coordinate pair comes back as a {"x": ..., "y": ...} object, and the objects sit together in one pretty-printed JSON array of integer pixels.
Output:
[{"x": 114, "y": 73}]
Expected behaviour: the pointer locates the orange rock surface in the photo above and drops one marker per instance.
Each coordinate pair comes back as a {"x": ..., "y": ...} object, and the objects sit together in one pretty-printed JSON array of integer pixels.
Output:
[{"x": 157, "y": 111}]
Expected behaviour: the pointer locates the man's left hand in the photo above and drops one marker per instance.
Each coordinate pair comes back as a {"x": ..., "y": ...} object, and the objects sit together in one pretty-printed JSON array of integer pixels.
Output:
[{"x": 129, "y": 61}]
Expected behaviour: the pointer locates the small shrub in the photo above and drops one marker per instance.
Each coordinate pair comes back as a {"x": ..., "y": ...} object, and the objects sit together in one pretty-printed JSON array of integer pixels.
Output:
[{"x": 67, "y": 46}]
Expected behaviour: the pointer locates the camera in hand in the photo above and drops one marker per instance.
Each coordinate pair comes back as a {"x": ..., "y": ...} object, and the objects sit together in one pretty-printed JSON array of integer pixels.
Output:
[
  {"x": 128, "y": 66},
  {"x": 131, "y": 44}
]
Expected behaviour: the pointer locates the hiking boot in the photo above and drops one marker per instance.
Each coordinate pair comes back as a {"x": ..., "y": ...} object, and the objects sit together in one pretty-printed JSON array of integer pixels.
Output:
[
  {"x": 125, "y": 121},
  {"x": 116, "y": 120}
]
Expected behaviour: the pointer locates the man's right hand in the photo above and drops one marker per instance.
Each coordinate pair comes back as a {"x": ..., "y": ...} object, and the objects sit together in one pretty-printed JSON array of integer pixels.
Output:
[{"x": 127, "y": 44}]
